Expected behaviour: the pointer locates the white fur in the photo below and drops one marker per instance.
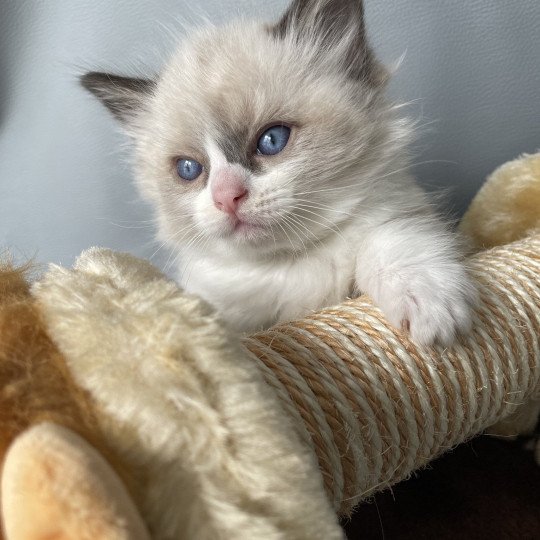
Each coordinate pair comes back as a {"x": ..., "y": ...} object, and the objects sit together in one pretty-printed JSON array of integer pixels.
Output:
[{"x": 407, "y": 265}]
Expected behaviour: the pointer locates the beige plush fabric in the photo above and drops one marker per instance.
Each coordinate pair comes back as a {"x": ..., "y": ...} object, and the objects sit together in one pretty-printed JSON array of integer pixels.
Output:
[
  {"x": 507, "y": 207},
  {"x": 183, "y": 404},
  {"x": 56, "y": 486}
]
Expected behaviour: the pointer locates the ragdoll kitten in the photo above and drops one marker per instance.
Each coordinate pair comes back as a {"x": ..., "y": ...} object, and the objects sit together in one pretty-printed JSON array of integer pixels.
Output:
[{"x": 279, "y": 176}]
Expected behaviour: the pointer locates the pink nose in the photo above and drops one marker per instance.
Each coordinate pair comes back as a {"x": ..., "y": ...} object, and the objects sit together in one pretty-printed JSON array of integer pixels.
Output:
[{"x": 228, "y": 192}]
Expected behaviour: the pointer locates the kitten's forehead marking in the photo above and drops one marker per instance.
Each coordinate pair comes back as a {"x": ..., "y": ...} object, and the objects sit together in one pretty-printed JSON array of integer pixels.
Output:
[
  {"x": 235, "y": 140},
  {"x": 231, "y": 148},
  {"x": 236, "y": 146}
]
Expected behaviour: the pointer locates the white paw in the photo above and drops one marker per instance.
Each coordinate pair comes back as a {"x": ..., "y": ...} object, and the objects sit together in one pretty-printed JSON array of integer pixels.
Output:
[{"x": 433, "y": 303}]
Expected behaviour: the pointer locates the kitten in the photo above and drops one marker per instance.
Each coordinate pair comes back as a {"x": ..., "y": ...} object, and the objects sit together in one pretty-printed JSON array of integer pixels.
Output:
[{"x": 279, "y": 176}]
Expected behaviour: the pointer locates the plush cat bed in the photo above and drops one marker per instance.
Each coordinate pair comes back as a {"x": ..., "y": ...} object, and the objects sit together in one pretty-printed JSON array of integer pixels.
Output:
[
  {"x": 507, "y": 207},
  {"x": 127, "y": 410}
]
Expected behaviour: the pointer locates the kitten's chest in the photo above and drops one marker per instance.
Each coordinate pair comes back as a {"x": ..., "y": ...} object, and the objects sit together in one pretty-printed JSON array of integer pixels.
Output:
[{"x": 252, "y": 295}]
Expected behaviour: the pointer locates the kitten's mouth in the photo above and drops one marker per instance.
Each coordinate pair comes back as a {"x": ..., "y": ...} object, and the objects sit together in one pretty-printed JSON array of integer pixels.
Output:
[{"x": 241, "y": 226}]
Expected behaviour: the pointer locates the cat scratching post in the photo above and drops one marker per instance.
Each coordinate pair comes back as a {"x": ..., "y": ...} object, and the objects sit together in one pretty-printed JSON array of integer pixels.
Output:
[{"x": 373, "y": 407}]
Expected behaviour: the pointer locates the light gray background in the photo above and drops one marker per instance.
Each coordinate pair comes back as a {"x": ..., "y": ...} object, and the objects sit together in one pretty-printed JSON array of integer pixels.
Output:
[{"x": 471, "y": 71}]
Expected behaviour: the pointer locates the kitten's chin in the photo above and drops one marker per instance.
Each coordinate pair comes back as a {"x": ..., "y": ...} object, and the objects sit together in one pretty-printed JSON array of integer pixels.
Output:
[
  {"x": 251, "y": 236},
  {"x": 246, "y": 231}
]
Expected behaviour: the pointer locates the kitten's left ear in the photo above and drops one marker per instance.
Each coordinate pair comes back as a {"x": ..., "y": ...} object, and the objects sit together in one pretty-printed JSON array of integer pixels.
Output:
[
  {"x": 334, "y": 25},
  {"x": 125, "y": 97}
]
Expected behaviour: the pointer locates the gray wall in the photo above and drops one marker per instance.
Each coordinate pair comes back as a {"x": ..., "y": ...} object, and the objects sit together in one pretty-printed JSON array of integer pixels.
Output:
[{"x": 471, "y": 71}]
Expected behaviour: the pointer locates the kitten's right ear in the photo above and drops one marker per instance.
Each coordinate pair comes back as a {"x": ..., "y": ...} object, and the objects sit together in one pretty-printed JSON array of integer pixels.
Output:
[{"x": 125, "y": 97}]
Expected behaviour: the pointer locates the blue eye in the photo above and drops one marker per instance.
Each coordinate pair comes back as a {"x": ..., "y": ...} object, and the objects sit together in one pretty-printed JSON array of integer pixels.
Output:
[
  {"x": 273, "y": 140},
  {"x": 188, "y": 169}
]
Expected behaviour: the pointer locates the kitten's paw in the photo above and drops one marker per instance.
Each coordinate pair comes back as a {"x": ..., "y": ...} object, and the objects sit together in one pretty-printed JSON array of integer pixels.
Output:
[{"x": 433, "y": 304}]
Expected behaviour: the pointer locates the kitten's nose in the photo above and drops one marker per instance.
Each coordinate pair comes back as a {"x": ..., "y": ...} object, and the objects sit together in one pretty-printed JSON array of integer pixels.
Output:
[{"x": 228, "y": 193}]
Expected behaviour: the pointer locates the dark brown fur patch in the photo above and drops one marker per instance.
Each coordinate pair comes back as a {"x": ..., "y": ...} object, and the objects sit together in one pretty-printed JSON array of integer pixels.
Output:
[
  {"x": 238, "y": 146},
  {"x": 123, "y": 96},
  {"x": 329, "y": 20}
]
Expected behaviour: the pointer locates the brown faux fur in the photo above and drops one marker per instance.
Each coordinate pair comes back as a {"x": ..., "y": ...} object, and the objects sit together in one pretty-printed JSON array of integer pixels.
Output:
[{"x": 35, "y": 383}]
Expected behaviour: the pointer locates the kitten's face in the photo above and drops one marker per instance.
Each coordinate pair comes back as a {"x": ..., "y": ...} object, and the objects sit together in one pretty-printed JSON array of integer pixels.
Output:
[{"x": 265, "y": 138}]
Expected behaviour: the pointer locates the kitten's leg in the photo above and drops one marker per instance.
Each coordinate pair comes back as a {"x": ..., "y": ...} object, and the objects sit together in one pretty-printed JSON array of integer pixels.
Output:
[{"x": 411, "y": 268}]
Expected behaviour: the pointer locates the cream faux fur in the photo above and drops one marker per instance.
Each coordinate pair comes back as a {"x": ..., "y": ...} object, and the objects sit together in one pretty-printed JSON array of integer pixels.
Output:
[
  {"x": 507, "y": 207},
  {"x": 183, "y": 405}
]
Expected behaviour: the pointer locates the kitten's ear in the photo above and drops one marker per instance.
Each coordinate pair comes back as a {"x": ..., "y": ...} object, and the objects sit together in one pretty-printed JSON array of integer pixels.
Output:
[
  {"x": 334, "y": 25},
  {"x": 125, "y": 97}
]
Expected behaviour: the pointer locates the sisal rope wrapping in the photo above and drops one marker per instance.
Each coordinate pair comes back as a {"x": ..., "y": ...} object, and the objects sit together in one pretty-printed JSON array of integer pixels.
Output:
[{"x": 374, "y": 407}]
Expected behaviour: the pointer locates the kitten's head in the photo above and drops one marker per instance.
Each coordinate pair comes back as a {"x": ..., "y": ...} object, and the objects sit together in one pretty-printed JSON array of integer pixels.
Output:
[{"x": 260, "y": 137}]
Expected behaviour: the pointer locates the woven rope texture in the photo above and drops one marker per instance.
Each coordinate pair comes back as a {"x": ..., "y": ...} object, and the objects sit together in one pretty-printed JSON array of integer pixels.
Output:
[{"x": 374, "y": 407}]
